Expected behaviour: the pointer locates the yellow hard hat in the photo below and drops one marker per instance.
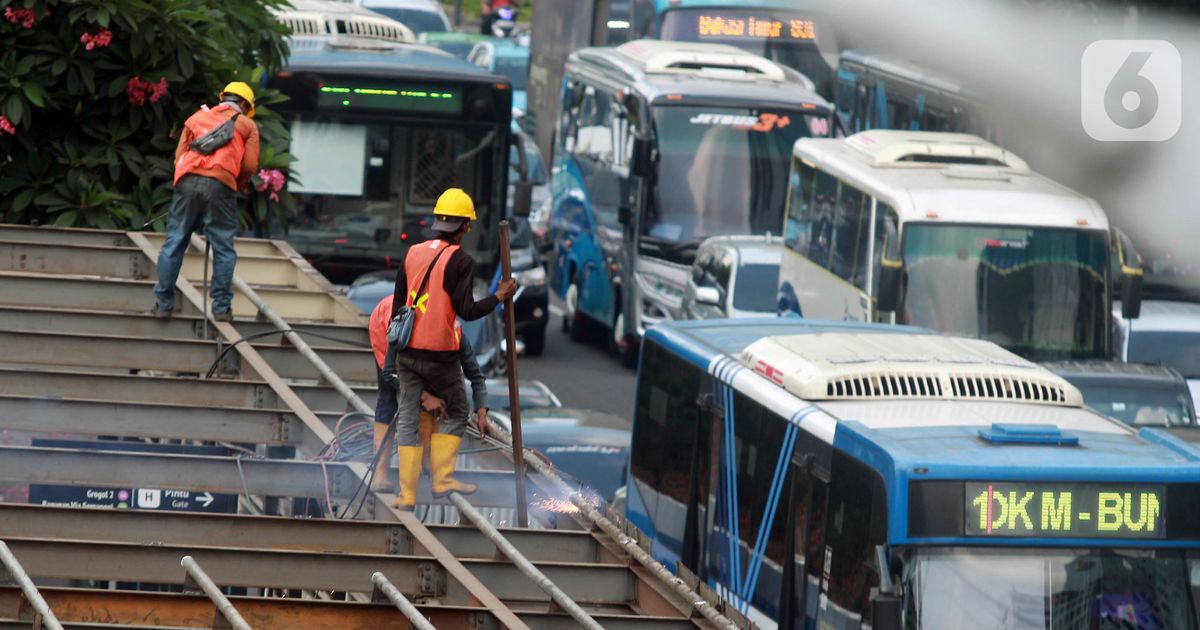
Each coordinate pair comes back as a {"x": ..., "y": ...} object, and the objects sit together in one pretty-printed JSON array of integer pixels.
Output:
[
  {"x": 453, "y": 207},
  {"x": 243, "y": 90}
]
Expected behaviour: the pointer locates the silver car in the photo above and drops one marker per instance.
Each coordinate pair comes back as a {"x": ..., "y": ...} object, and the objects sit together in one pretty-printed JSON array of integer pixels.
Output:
[
  {"x": 733, "y": 276},
  {"x": 1166, "y": 332}
]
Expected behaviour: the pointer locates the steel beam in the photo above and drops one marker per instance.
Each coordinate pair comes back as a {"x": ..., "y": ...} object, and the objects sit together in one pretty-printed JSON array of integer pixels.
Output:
[
  {"x": 92, "y": 260},
  {"x": 28, "y": 347},
  {"x": 200, "y": 473},
  {"x": 146, "y": 609},
  {"x": 147, "y": 420},
  {"x": 73, "y": 236},
  {"x": 244, "y": 246},
  {"x": 271, "y": 532},
  {"x": 596, "y": 584},
  {"x": 210, "y": 392},
  {"x": 18, "y": 288}
]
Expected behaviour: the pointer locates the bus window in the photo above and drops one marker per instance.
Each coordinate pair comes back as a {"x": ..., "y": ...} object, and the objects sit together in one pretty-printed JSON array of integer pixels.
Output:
[
  {"x": 849, "y": 253},
  {"x": 797, "y": 231},
  {"x": 902, "y": 114},
  {"x": 823, "y": 206},
  {"x": 573, "y": 96},
  {"x": 855, "y": 524},
  {"x": 664, "y": 431},
  {"x": 594, "y": 126},
  {"x": 885, "y": 216}
]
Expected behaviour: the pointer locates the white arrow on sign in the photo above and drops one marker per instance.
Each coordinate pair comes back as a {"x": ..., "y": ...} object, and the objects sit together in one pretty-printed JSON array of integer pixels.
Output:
[{"x": 205, "y": 499}]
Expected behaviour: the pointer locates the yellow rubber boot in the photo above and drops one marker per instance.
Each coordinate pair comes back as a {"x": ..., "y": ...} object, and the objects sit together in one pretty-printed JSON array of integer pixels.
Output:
[
  {"x": 381, "y": 482},
  {"x": 424, "y": 431},
  {"x": 410, "y": 476},
  {"x": 444, "y": 454}
]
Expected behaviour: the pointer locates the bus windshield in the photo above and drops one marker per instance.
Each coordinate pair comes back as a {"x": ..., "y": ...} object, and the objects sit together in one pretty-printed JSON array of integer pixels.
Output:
[
  {"x": 1050, "y": 589},
  {"x": 1039, "y": 292},
  {"x": 785, "y": 37},
  {"x": 721, "y": 170}
]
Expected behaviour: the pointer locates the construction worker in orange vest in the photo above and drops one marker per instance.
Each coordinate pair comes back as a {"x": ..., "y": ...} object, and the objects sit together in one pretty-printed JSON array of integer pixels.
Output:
[
  {"x": 431, "y": 357},
  {"x": 206, "y": 185},
  {"x": 432, "y": 407}
]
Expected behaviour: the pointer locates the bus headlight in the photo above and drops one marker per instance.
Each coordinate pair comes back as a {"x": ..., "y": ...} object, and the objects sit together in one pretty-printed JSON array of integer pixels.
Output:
[{"x": 535, "y": 277}]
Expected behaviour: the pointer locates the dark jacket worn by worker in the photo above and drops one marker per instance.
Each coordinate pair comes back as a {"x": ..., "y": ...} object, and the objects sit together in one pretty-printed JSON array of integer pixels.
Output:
[{"x": 449, "y": 294}]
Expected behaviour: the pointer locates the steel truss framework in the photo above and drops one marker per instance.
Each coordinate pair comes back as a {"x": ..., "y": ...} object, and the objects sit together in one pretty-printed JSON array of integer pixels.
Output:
[{"x": 82, "y": 358}]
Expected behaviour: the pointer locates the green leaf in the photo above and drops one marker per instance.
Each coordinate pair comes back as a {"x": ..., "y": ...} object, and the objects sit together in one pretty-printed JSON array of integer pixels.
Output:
[
  {"x": 25, "y": 65},
  {"x": 14, "y": 108},
  {"x": 66, "y": 219},
  {"x": 186, "y": 63},
  {"x": 58, "y": 67},
  {"x": 23, "y": 199},
  {"x": 35, "y": 93}
]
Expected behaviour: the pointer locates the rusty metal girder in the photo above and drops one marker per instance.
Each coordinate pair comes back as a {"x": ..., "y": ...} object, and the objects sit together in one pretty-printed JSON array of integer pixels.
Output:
[
  {"x": 148, "y": 420},
  {"x": 280, "y": 533},
  {"x": 603, "y": 585}
]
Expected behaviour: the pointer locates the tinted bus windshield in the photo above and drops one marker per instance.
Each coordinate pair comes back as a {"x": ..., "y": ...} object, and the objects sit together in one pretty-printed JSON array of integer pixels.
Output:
[
  {"x": 787, "y": 37},
  {"x": 373, "y": 155},
  {"x": 417, "y": 20},
  {"x": 1052, "y": 589},
  {"x": 721, "y": 171},
  {"x": 1039, "y": 292}
]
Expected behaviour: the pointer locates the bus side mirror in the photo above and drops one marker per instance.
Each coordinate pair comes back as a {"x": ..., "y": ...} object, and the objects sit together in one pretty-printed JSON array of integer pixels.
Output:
[
  {"x": 1131, "y": 276},
  {"x": 886, "y": 610},
  {"x": 523, "y": 198},
  {"x": 891, "y": 276},
  {"x": 891, "y": 270},
  {"x": 641, "y": 162},
  {"x": 624, "y": 214},
  {"x": 708, "y": 295}
]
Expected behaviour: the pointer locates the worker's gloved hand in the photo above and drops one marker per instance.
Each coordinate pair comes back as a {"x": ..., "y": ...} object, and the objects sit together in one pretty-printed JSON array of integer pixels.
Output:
[
  {"x": 481, "y": 420},
  {"x": 506, "y": 289},
  {"x": 432, "y": 403}
]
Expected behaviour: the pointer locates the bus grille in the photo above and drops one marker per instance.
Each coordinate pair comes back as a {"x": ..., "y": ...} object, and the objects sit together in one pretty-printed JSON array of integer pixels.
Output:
[{"x": 963, "y": 387}]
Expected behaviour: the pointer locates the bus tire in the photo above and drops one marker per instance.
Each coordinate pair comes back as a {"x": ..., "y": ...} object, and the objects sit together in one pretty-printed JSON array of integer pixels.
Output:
[
  {"x": 575, "y": 324},
  {"x": 619, "y": 344}
]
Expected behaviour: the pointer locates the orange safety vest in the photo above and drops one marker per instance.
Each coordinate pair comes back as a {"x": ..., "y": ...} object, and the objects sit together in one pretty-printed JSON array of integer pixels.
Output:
[
  {"x": 228, "y": 157},
  {"x": 435, "y": 322},
  {"x": 377, "y": 329}
]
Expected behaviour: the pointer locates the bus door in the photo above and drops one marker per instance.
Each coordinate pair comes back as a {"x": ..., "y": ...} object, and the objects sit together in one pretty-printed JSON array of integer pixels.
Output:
[{"x": 805, "y": 542}]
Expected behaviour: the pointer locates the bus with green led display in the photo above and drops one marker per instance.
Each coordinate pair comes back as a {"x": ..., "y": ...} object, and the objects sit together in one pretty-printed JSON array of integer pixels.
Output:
[
  {"x": 381, "y": 126},
  {"x": 846, "y": 476}
]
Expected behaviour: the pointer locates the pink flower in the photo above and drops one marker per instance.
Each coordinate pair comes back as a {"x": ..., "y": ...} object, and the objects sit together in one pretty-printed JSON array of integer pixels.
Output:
[
  {"x": 100, "y": 39},
  {"x": 158, "y": 90},
  {"x": 273, "y": 180},
  {"x": 23, "y": 16},
  {"x": 136, "y": 89},
  {"x": 6, "y": 126}
]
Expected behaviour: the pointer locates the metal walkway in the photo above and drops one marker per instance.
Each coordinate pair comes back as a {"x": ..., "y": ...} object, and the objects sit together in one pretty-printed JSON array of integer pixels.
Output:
[{"x": 82, "y": 359}]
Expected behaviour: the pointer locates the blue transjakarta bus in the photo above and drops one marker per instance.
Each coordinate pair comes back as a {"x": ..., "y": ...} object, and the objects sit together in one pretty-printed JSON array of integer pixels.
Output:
[
  {"x": 381, "y": 126},
  {"x": 661, "y": 145},
  {"x": 794, "y": 33},
  {"x": 849, "y": 476}
]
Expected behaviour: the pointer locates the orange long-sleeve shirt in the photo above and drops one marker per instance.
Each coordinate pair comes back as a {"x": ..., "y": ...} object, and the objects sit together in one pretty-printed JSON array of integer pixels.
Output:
[{"x": 249, "y": 166}]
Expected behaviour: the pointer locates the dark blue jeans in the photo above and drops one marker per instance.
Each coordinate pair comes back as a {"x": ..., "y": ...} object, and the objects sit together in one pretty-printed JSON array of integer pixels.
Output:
[
  {"x": 385, "y": 405},
  {"x": 199, "y": 202}
]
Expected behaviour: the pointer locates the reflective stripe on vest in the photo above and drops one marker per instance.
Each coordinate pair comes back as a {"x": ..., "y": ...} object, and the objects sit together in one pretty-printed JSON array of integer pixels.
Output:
[
  {"x": 227, "y": 158},
  {"x": 434, "y": 324}
]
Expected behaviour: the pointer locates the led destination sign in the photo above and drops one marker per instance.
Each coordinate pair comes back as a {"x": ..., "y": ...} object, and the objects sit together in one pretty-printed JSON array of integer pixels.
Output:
[
  {"x": 392, "y": 98},
  {"x": 733, "y": 25},
  {"x": 1064, "y": 510}
]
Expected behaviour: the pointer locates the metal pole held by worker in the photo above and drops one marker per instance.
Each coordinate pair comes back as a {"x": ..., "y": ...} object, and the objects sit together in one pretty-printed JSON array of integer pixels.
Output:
[{"x": 514, "y": 397}]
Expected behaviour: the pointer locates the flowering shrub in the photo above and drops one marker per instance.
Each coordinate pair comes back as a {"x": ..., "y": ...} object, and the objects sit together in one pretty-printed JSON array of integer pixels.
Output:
[{"x": 95, "y": 92}]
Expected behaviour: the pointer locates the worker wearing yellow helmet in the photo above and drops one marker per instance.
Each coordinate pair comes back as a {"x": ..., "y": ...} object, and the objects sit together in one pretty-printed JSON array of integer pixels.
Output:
[
  {"x": 436, "y": 281},
  {"x": 216, "y": 156}
]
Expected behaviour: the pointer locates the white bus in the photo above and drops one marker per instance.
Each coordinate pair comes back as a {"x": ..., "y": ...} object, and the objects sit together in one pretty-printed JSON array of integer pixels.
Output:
[{"x": 950, "y": 232}]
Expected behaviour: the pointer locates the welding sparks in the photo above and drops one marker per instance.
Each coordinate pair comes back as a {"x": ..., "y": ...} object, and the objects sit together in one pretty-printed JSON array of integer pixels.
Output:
[{"x": 565, "y": 506}]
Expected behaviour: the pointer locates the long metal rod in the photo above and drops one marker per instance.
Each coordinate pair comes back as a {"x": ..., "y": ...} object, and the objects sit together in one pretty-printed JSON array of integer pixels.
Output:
[
  {"x": 523, "y": 564},
  {"x": 592, "y": 516},
  {"x": 297, "y": 341},
  {"x": 27, "y": 587},
  {"x": 210, "y": 589},
  {"x": 514, "y": 394},
  {"x": 401, "y": 602}
]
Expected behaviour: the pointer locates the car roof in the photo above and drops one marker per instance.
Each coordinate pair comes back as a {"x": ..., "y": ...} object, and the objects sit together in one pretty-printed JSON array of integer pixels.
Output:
[
  {"x": 750, "y": 250},
  {"x": 1115, "y": 371},
  {"x": 1164, "y": 316}
]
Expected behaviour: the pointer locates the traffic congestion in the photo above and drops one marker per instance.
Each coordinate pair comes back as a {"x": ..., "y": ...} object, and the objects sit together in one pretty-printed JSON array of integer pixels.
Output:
[{"x": 858, "y": 332}]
